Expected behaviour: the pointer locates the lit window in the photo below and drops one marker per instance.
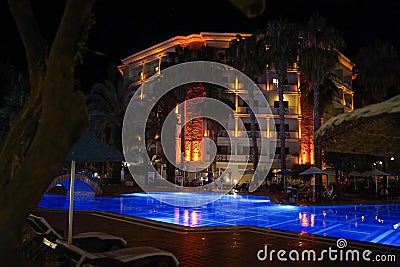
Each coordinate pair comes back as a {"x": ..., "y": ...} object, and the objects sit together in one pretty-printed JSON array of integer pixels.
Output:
[{"x": 275, "y": 81}]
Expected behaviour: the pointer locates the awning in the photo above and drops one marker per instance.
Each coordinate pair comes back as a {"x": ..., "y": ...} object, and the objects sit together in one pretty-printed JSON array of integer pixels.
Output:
[{"x": 372, "y": 130}]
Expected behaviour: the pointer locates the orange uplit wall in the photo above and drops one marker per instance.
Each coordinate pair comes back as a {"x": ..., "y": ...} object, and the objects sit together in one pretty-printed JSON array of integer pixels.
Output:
[
  {"x": 193, "y": 133},
  {"x": 307, "y": 133}
]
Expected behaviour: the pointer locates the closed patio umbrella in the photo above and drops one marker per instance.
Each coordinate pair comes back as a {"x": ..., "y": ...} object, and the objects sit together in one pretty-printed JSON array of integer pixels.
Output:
[{"x": 87, "y": 149}]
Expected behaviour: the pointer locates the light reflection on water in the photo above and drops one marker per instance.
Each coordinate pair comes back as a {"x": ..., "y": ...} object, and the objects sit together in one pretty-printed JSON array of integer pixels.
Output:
[{"x": 369, "y": 223}]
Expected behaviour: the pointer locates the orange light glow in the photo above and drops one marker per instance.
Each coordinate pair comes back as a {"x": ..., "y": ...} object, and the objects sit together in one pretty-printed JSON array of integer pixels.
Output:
[
  {"x": 177, "y": 109},
  {"x": 304, "y": 220},
  {"x": 236, "y": 83},
  {"x": 176, "y": 215},
  {"x": 194, "y": 218},
  {"x": 186, "y": 217}
]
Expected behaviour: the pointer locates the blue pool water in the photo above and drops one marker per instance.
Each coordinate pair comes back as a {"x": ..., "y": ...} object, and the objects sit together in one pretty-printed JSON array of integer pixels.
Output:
[{"x": 368, "y": 223}]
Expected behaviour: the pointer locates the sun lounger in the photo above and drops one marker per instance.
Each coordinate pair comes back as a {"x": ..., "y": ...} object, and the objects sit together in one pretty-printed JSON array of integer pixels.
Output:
[
  {"x": 99, "y": 249},
  {"x": 89, "y": 241},
  {"x": 131, "y": 256}
]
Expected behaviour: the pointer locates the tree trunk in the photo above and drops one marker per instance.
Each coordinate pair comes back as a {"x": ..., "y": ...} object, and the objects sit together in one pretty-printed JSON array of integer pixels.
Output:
[
  {"x": 282, "y": 138},
  {"x": 116, "y": 141},
  {"x": 317, "y": 124},
  {"x": 50, "y": 123},
  {"x": 253, "y": 128}
]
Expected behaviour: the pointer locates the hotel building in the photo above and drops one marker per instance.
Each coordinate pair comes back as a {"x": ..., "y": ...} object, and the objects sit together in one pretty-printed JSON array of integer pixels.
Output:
[{"x": 140, "y": 66}]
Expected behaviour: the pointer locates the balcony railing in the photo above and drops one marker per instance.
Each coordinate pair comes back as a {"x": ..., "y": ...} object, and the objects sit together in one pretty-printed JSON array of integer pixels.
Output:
[
  {"x": 288, "y": 135},
  {"x": 288, "y": 111},
  {"x": 223, "y": 158},
  {"x": 250, "y": 134}
]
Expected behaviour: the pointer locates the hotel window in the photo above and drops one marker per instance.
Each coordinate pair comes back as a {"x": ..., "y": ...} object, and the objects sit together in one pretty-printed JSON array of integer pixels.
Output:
[
  {"x": 248, "y": 126},
  {"x": 278, "y": 127},
  {"x": 131, "y": 73},
  {"x": 245, "y": 150},
  {"x": 278, "y": 151},
  {"x": 223, "y": 150},
  {"x": 285, "y": 104}
]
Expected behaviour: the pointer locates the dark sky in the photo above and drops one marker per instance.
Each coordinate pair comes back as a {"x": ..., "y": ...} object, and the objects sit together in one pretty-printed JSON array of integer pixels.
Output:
[{"x": 125, "y": 27}]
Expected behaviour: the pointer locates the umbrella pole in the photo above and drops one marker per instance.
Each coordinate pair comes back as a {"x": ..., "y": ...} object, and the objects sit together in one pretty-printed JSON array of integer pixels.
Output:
[
  {"x": 313, "y": 191},
  {"x": 284, "y": 181},
  {"x": 71, "y": 202},
  {"x": 355, "y": 187}
]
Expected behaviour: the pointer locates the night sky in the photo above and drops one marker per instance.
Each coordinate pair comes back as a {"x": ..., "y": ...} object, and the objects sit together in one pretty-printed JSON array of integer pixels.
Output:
[{"x": 125, "y": 27}]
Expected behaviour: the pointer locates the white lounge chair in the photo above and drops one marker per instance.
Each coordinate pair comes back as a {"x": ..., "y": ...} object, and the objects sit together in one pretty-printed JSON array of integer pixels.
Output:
[
  {"x": 89, "y": 241},
  {"x": 100, "y": 249}
]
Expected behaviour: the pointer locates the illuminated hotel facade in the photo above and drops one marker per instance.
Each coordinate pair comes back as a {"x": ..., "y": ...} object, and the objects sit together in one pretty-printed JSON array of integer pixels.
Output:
[{"x": 140, "y": 66}]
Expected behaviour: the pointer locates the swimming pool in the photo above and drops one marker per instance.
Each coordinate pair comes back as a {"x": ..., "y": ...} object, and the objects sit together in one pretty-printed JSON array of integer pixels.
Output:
[{"x": 368, "y": 223}]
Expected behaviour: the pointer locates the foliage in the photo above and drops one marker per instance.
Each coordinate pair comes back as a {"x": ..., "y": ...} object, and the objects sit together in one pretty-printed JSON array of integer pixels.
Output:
[
  {"x": 298, "y": 168},
  {"x": 81, "y": 48},
  {"x": 248, "y": 55},
  {"x": 106, "y": 105},
  {"x": 15, "y": 84},
  {"x": 378, "y": 73},
  {"x": 319, "y": 44},
  {"x": 281, "y": 41},
  {"x": 349, "y": 162}
]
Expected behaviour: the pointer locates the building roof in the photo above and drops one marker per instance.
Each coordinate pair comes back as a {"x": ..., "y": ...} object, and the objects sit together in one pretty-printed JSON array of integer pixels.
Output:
[{"x": 214, "y": 39}]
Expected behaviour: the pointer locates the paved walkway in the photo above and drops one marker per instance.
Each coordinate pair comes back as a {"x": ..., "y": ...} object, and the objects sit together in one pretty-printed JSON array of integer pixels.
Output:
[{"x": 218, "y": 246}]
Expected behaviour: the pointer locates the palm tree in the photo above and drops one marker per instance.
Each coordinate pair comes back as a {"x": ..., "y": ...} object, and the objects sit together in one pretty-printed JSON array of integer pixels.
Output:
[
  {"x": 281, "y": 38},
  {"x": 106, "y": 106},
  {"x": 318, "y": 54},
  {"x": 378, "y": 72},
  {"x": 248, "y": 55}
]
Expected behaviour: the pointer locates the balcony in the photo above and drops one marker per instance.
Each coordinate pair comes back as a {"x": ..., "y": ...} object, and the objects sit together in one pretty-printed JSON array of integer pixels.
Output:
[
  {"x": 257, "y": 110},
  {"x": 288, "y": 135},
  {"x": 223, "y": 158},
  {"x": 288, "y": 111},
  {"x": 290, "y": 161},
  {"x": 248, "y": 134}
]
